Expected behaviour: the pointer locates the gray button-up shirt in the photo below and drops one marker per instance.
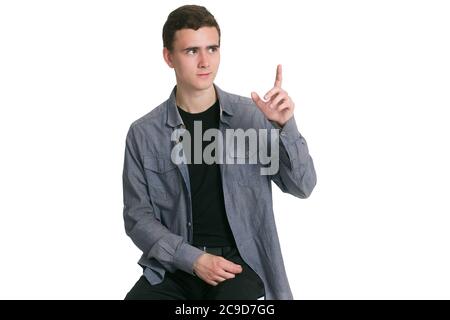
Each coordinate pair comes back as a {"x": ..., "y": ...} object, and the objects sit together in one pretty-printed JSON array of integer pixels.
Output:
[{"x": 157, "y": 198}]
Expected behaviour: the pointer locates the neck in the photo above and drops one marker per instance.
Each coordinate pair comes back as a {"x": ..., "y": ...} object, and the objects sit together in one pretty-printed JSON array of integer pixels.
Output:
[{"x": 195, "y": 101}]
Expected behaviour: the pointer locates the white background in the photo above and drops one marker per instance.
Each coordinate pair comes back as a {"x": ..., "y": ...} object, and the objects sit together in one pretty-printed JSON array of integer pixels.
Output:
[{"x": 370, "y": 80}]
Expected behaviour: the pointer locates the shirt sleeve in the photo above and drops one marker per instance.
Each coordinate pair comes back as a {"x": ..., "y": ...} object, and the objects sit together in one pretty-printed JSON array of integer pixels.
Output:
[
  {"x": 296, "y": 174},
  {"x": 141, "y": 224}
]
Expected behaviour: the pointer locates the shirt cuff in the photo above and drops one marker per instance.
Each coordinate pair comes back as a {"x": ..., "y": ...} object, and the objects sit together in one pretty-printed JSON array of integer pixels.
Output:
[
  {"x": 289, "y": 132},
  {"x": 185, "y": 257}
]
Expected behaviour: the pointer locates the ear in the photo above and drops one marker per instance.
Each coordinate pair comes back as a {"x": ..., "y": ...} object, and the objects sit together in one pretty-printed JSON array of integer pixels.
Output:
[{"x": 167, "y": 57}]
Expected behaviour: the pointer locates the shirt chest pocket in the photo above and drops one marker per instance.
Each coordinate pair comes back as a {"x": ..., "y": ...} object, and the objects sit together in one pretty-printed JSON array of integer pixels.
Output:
[
  {"x": 162, "y": 175},
  {"x": 246, "y": 167}
]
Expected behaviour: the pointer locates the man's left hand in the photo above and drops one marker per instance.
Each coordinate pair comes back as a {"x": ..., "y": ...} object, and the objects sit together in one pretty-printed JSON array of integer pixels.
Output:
[{"x": 278, "y": 106}]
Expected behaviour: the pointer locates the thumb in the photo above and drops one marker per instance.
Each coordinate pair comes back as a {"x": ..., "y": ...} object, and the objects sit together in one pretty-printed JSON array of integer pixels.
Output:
[
  {"x": 232, "y": 267},
  {"x": 255, "y": 97},
  {"x": 257, "y": 100}
]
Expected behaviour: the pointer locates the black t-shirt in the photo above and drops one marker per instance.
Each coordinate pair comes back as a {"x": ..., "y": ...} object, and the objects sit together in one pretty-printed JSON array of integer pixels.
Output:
[{"x": 210, "y": 223}]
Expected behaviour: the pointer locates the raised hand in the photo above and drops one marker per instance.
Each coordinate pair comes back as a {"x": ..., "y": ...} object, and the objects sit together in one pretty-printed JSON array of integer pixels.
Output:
[{"x": 278, "y": 106}]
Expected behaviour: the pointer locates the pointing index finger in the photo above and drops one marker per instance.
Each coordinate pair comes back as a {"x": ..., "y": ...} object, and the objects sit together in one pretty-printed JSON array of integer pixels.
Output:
[{"x": 278, "y": 77}]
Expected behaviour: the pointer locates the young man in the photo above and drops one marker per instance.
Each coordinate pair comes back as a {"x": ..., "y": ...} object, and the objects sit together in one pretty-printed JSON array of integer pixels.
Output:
[{"x": 207, "y": 230}]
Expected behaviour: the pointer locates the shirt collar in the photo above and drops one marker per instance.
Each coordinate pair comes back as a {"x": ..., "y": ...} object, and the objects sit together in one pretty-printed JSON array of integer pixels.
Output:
[{"x": 174, "y": 118}]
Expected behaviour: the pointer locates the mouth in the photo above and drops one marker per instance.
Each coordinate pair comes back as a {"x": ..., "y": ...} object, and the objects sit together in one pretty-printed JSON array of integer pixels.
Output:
[{"x": 203, "y": 75}]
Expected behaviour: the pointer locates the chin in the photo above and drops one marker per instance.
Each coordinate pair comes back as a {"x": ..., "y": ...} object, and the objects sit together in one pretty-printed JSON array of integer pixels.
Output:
[{"x": 203, "y": 86}]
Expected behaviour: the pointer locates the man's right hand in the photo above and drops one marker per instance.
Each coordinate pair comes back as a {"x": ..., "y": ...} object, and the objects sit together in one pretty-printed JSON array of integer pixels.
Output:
[{"x": 215, "y": 269}]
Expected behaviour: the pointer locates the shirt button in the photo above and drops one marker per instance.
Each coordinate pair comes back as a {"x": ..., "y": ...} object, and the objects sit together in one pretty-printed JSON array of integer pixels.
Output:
[{"x": 189, "y": 224}]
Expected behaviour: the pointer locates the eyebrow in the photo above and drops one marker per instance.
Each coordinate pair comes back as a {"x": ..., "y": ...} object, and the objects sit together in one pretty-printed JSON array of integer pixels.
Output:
[{"x": 208, "y": 47}]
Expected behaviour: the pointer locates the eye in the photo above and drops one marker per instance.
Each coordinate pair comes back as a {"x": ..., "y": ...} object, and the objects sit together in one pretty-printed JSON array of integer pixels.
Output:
[
  {"x": 191, "y": 51},
  {"x": 213, "y": 49}
]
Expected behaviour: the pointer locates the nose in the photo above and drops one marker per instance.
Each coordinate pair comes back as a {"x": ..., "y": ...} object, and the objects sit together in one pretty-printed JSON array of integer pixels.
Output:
[{"x": 203, "y": 62}]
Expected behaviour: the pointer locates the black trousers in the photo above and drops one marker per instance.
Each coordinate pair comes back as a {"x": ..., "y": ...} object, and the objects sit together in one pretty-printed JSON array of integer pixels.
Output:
[{"x": 180, "y": 285}]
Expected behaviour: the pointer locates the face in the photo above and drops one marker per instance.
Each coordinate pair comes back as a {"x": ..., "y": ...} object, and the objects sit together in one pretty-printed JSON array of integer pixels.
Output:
[{"x": 195, "y": 57}]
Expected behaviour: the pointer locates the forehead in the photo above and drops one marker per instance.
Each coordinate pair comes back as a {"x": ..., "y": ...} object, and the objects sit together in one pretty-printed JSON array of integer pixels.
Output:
[{"x": 201, "y": 37}]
